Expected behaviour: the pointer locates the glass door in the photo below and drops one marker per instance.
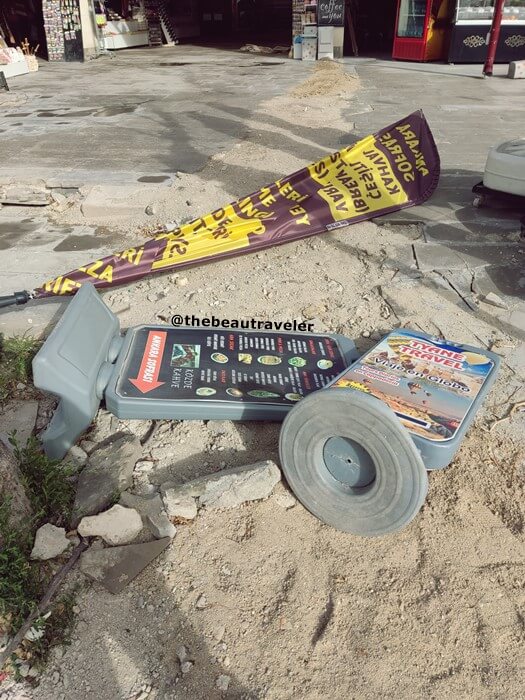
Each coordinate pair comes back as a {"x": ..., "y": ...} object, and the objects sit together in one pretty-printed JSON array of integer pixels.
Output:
[{"x": 411, "y": 19}]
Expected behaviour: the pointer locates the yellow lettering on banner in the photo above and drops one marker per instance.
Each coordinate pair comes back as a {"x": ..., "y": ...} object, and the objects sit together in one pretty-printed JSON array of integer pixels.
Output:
[
  {"x": 61, "y": 285},
  {"x": 95, "y": 270},
  {"x": 359, "y": 181},
  {"x": 287, "y": 191},
  {"x": 300, "y": 211},
  {"x": 131, "y": 255},
  {"x": 68, "y": 286},
  {"x": 212, "y": 235},
  {"x": 247, "y": 207},
  {"x": 412, "y": 142},
  {"x": 266, "y": 197}
]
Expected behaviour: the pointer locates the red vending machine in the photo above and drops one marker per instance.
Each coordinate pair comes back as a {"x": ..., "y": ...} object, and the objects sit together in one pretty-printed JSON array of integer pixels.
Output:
[{"x": 422, "y": 30}]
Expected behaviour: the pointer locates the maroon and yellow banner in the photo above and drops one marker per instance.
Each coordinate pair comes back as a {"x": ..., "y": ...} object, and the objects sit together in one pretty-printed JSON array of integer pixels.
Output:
[{"x": 392, "y": 169}]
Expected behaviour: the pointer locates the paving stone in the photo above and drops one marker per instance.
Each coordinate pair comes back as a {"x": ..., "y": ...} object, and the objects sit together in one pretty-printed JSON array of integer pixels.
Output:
[
  {"x": 115, "y": 567},
  {"x": 20, "y": 416},
  {"x": 50, "y": 542},
  {"x": 114, "y": 201},
  {"x": 504, "y": 281},
  {"x": 109, "y": 471},
  {"x": 434, "y": 256},
  {"x": 487, "y": 231}
]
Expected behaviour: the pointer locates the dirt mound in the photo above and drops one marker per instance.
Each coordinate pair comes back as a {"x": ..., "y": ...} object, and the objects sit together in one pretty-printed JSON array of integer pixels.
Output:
[{"x": 327, "y": 78}]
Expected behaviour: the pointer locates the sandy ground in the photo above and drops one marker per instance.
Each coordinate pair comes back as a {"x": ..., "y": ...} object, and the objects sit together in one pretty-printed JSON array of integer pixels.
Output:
[{"x": 293, "y": 608}]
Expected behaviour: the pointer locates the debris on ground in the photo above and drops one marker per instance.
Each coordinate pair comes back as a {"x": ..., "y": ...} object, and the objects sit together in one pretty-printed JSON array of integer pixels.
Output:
[
  {"x": 255, "y": 48},
  {"x": 116, "y": 526},
  {"x": 227, "y": 489},
  {"x": 108, "y": 471},
  {"x": 115, "y": 567},
  {"x": 20, "y": 195},
  {"x": 50, "y": 542}
]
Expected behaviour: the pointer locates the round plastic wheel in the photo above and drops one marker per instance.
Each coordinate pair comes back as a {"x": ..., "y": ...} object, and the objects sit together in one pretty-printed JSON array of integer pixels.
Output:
[
  {"x": 351, "y": 463},
  {"x": 477, "y": 201}
]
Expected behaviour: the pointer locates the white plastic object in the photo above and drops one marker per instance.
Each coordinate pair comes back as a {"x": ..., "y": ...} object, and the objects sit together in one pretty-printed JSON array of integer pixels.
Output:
[{"x": 505, "y": 168}]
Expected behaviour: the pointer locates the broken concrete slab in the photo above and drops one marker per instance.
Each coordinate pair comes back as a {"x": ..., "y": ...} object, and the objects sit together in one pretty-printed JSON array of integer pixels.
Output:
[
  {"x": 507, "y": 282},
  {"x": 160, "y": 525},
  {"x": 434, "y": 256},
  {"x": 179, "y": 505},
  {"x": 115, "y": 567},
  {"x": 118, "y": 525},
  {"x": 501, "y": 230},
  {"x": 108, "y": 472},
  {"x": 494, "y": 300},
  {"x": 145, "y": 505},
  {"x": 116, "y": 201},
  {"x": 231, "y": 487},
  {"x": 24, "y": 195},
  {"x": 20, "y": 416},
  {"x": 50, "y": 542}
]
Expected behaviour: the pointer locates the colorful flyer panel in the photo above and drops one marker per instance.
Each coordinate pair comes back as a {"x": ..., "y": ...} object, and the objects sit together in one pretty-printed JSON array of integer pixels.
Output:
[
  {"x": 224, "y": 365},
  {"x": 430, "y": 385}
]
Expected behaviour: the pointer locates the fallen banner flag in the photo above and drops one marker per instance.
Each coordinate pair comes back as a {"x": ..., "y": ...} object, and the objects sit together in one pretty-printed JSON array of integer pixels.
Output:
[{"x": 395, "y": 168}]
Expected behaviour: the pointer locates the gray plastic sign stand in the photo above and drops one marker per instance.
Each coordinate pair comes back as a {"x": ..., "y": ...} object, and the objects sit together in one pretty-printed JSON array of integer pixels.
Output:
[
  {"x": 356, "y": 453},
  {"x": 350, "y": 462},
  {"x": 161, "y": 372}
]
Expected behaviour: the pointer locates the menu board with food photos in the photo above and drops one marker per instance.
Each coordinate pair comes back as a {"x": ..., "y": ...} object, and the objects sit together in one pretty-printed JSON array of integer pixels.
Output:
[{"x": 235, "y": 366}]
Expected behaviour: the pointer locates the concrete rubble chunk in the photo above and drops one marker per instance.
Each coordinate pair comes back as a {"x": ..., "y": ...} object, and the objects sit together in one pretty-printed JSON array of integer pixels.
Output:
[
  {"x": 494, "y": 300},
  {"x": 118, "y": 525},
  {"x": 229, "y": 488},
  {"x": 108, "y": 472},
  {"x": 115, "y": 567},
  {"x": 20, "y": 416},
  {"x": 161, "y": 526},
  {"x": 24, "y": 195},
  {"x": 145, "y": 505},
  {"x": 50, "y": 542},
  {"x": 179, "y": 505}
]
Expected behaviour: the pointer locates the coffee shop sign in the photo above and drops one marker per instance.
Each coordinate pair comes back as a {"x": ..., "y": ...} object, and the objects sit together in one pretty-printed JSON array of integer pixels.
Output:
[{"x": 331, "y": 13}]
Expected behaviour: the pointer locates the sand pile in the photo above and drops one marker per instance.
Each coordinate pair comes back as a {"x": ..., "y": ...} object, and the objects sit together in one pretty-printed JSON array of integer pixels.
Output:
[{"x": 327, "y": 78}]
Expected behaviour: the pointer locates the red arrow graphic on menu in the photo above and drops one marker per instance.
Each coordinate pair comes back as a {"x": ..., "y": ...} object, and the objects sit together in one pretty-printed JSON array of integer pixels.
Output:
[{"x": 151, "y": 361}]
